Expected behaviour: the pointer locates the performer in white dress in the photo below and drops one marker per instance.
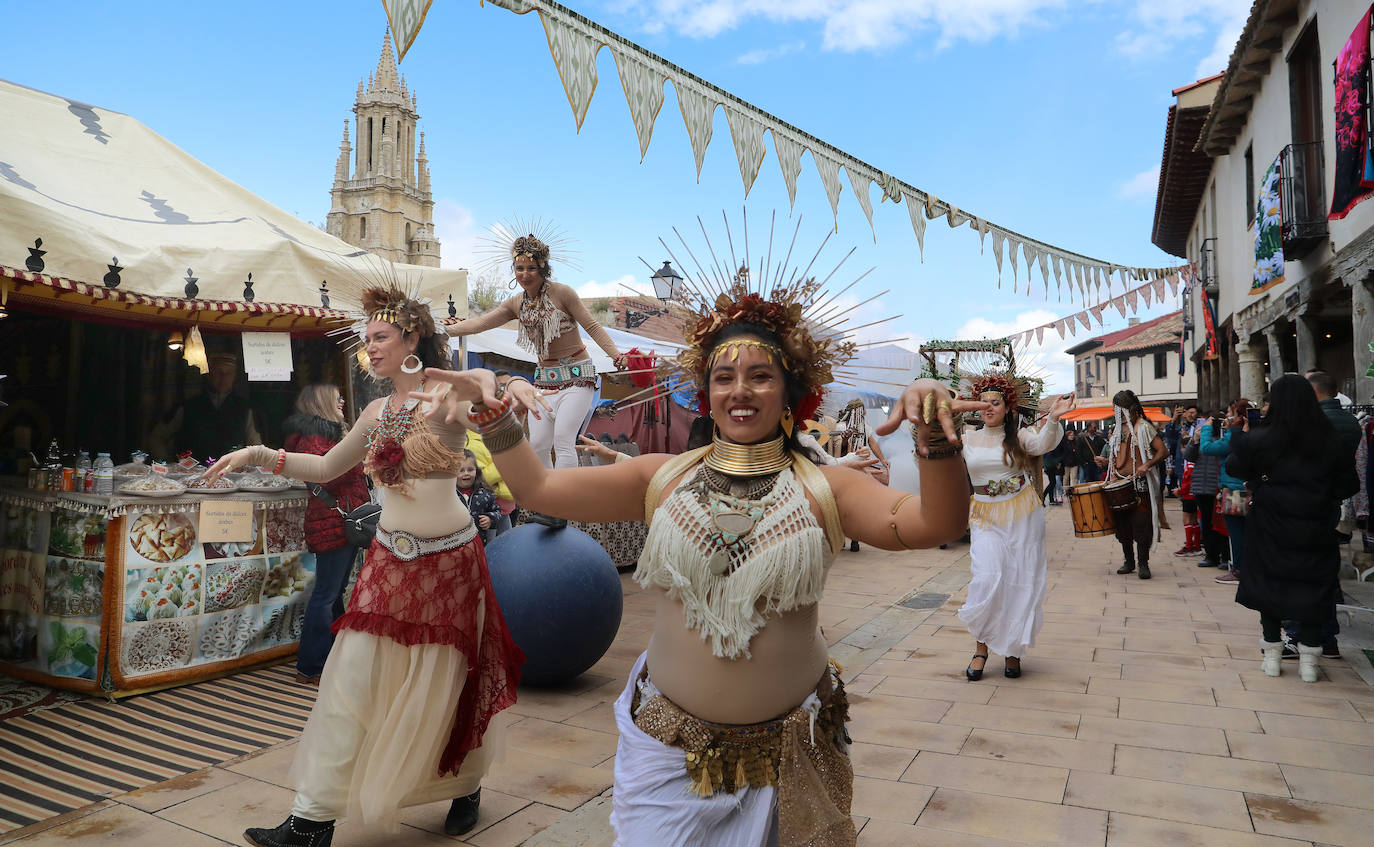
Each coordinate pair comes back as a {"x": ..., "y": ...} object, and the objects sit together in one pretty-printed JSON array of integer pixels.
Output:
[{"x": 1006, "y": 523}]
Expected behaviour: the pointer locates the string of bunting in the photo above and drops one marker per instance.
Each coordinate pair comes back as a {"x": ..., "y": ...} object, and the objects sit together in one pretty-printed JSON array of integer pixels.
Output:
[
  {"x": 574, "y": 42},
  {"x": 1123, "y": 303}
]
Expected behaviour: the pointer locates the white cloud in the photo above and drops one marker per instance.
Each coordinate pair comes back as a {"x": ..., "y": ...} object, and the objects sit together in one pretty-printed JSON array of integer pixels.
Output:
[
  {"x": 1143, "y": 185},
  {"x": 758, "y": 57},
  {"x": 852, "y": 25},
  {"x": 1047, "y": 358},
  {"x": 623, "y": 287},
  {"x": 458, "y": 235},
  {"x": 1158, "y": 26}
]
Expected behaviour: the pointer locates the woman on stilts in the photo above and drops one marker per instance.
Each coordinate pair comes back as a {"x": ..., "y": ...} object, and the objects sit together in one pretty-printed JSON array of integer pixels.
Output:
[
  {"x": 422, "y": 661},
  {"x": 1006, "y": 521}
]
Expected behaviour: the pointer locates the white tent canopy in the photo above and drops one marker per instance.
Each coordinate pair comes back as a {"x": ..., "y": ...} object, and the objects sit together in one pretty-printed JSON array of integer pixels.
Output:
[{"x": 99, "y": 189}]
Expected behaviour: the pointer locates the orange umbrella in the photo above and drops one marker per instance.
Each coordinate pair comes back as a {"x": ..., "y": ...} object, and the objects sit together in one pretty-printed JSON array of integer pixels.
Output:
[{"x": 1102, "y": 413}]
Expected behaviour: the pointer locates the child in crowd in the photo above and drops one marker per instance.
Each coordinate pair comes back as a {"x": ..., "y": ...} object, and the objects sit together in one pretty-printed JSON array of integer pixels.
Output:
[
  {"x": 480, "y": 499},
  {"x": 1192, "y": 532}
]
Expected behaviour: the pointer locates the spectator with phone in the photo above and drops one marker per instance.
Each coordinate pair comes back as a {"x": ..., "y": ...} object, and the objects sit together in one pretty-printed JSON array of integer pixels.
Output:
[{"x": 1231, "y": 494}]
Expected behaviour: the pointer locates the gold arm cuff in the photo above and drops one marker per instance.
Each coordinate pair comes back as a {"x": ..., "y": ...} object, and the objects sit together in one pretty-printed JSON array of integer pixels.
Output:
[{"x": 896, "y": 534}]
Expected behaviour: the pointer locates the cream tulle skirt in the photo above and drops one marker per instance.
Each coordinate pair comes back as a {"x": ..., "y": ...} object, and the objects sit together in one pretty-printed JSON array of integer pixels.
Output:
[{"x": 380, "y": 723}]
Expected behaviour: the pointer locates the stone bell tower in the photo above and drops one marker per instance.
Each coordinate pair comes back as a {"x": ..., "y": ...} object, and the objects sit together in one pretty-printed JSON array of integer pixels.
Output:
[{"x": 385, "y": 205}]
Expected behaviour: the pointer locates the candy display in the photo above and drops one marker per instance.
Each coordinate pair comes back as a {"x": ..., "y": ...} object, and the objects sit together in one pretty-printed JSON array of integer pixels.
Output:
[
  {"x": 156, "y": 646},
  {"x": 73, "y": 588},
  {"x": 153, "y": 485},
  {"x": 233, "y": 584},
  {"x": 220, "y": 485},
  {"x": 285, "y": 577},
  {"x": 263, "y": 482},
  {"x": 285, "y": 530},
  {"x": 227, "y": 635},
  {"x": 282, "y": 624},
  {"x": 155, "y": 593}
]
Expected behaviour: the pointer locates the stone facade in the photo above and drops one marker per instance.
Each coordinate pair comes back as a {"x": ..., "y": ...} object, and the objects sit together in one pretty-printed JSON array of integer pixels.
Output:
[{"x": 382, "y": 203}]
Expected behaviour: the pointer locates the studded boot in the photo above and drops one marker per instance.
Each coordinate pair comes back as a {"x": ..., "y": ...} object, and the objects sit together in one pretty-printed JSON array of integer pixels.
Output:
[
  {"x": 293, "y": 832},
  {"x": 462, "y": 813}
]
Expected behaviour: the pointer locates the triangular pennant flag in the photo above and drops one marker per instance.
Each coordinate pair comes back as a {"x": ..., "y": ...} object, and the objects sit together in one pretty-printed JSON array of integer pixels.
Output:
[
  {"x": 829, "y": 169},
  {"x": 789, "y": 153},
  {"x": 1120, "y": 303},
  {"x": 1131, "y": 301},
  {"x": 1145, "y": 291},
  {"x": 1057, "y": 262},
  {"x": 1096, "y": 312},
  {"x": 574, "y": 53},
  {"x": 748, "y": 137},
  {"x": 858, "y": 183},
  {"x": 1083, "y": 319},
  {"x": 918, "y": 222},
  {"x": 1012, "y": 250},
  {"x": 644, "y": 92},
  {"x": 1039, "y": 335},
  {"x": 1173, "y": 279},
  {"x": 1043, "y": 260},
  {"x": 1059, "y": 327},
  {"x": 1159, "y": 289},
  {"x": 982, "y": 227},
  {"x": 698, "y": 113},
  {"x": 997, "y": 239}
]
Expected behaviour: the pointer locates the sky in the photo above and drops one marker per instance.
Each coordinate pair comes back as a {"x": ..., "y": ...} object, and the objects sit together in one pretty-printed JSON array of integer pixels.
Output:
[{"x": 1044, "y": 116}]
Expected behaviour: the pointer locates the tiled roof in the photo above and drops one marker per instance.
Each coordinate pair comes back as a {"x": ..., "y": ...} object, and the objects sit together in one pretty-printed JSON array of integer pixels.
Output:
[
  {"x": 1160, "y": 332},
  {"x": 1121, "y": 336}
]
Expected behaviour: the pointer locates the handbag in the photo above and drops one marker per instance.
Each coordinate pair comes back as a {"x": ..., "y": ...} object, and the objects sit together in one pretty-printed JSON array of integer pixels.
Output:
[
  {"x": 360, "y": 524},
  {"x": 1232, "y": 503}
]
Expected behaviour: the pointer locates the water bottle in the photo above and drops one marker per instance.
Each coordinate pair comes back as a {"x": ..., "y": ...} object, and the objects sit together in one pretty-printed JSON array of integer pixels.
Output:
[
  {"x": 104, "y": 475},
  {"x": 85, "y": 473},
  {"x": 53, "y": 466}
]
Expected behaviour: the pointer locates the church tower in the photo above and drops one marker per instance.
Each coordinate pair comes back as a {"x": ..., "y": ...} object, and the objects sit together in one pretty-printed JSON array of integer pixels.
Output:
[{"x": 385, "y": 206}]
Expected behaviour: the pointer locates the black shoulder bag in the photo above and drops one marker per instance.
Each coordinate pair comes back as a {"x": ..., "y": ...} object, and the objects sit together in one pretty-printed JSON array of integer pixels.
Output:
[{"x": 360, "y": 525}]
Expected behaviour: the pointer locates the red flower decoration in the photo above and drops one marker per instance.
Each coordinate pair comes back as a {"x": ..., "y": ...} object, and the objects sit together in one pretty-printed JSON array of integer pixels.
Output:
[{"x": 385, "y": 464}]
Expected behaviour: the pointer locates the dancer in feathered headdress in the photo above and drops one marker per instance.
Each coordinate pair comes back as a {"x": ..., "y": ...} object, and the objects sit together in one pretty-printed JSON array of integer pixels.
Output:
[
  {"x": 549, "y": 314},
  {"x": 1007, "y": 520},
  {"x": 740, "y": 535},
  {"x": 422, "y": 660}
]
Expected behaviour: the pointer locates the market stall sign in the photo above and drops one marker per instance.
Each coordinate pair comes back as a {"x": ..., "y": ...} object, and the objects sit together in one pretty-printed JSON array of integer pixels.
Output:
[
  {"x": 226, "y": 521},
  {"x": 267, "y": 356}
]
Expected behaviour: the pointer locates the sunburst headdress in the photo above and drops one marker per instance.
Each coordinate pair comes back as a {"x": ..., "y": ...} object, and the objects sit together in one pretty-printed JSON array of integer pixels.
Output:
[
  {"x": 992, "y": 366},
  {"x": 377, "y": 290},
  {"x": 534, "y": 238},
  {"x": 816, "y": 346}
]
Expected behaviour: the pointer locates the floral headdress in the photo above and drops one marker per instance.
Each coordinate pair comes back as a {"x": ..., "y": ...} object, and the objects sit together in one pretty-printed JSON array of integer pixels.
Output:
[
  {"x": 382, "y": 291},
  {"x": 789, "y": 303}
]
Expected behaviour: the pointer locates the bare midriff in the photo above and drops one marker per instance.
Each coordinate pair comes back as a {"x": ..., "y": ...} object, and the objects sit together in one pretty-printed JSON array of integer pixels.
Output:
[
  {"x": 429, "y": 509},
  {"x": 566, "y": 346}
]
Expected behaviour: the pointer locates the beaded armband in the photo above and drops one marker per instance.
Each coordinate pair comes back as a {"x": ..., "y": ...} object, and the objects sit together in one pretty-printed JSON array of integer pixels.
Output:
[
  {"x": 486, "y": 418},
  {"x": 504, "y": 435},
  {"x": 281, "y": 460}
]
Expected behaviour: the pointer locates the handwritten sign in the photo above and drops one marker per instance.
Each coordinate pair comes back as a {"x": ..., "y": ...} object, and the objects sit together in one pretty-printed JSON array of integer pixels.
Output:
[
  {"x": 224, "y": 521},
  {"x": 267, "y": 356}
]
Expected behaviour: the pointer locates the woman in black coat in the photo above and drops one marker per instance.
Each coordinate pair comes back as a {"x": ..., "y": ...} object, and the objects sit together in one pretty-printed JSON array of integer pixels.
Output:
[{"x": 1297, "y": 477}]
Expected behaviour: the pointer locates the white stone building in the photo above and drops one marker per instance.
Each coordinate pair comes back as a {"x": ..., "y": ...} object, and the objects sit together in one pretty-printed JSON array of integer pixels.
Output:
[
  {"x": 1276, "y": 101},
  {"x": 384, "y": 205},
  {"x": 1143, "y": 357}
]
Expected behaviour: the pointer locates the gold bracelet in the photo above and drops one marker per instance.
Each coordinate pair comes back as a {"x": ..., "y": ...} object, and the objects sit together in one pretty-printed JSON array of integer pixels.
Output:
[
  {"x": 893, "y": 524},
  {"x": 504, "y": 436},
  {"x": 945, "y": 450}
]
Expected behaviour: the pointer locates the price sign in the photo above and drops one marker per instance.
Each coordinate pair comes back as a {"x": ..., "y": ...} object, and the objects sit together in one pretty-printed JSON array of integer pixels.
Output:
[
  {"x": 267, "y": 356},
  {"x": 225, "y": 521}
]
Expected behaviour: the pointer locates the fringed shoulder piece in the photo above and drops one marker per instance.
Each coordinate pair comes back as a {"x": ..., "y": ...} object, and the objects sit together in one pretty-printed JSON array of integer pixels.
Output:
[{"x": 815, "y": 482}]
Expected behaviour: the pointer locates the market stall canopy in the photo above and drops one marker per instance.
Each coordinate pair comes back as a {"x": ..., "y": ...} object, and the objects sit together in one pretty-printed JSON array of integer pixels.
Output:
[
  {"x": 98, "y": 212},
  {"x": 1102, "y": 413}
]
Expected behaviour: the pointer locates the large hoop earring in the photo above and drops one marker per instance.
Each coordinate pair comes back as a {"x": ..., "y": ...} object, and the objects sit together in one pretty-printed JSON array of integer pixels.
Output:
[
  {"x": 512, "y": 284},
  {"x": 406, "y": 367}
]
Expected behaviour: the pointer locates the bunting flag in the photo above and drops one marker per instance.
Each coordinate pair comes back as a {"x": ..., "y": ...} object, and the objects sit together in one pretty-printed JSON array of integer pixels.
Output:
[
  {"x": 1209, "y": 320},
  {"x": 574, "y": 41}
]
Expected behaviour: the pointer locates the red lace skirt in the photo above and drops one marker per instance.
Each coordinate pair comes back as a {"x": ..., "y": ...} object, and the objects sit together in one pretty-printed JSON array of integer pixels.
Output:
[{"x": 435, "y": 599}]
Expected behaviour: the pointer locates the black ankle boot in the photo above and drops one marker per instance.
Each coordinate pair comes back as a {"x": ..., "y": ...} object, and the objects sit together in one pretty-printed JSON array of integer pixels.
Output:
[
  {"x": 462, "y": 813},
  {"x": 293, "y": 832},
  {"x": 1129, "y": 567},
  {"x": 1144, "y": 570}
]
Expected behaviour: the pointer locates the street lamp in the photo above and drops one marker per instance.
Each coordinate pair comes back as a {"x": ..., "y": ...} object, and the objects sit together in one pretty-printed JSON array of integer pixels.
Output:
[{"x": 667, "y": 283}]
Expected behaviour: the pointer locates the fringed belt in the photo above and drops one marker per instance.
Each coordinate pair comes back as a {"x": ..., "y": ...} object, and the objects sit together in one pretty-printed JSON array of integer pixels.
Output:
[
  {"x": 1002, "y": 512},
  {"x": 407, "y": 547},
  {"x": 1002, "y": 487},
  {"x": 568, "y": 373},
  {"x": 804, "y": 754}
]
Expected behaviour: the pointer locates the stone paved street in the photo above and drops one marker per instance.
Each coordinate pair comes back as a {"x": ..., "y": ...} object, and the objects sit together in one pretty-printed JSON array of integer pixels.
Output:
[{"x": 1142, "y": 719}]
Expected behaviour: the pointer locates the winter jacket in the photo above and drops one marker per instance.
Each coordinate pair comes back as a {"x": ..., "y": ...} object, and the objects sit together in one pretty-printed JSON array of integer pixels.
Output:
[
  {"x": 324, "y": 526},
  {"x": 1347, "y": 428},
  {"x": 1087, "y": 448},
  {"x": 1292, "y": 552},
  {"x": 490, "y": 475},
  {"x": 481, "y": 501},
  {"x": 1070, "y": 451},
  {"x": 1206, "y": 470},
  {"x": 1220, "y": 446}
]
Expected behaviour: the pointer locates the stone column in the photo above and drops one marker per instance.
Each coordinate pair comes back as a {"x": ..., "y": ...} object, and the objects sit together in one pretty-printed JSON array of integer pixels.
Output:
[
  {"x": 1251, "y": 365},
  {"x": 1271, "y": 335},
  {"x": 1307, "y": 342},
  {"x": 1362, "y": 321}
]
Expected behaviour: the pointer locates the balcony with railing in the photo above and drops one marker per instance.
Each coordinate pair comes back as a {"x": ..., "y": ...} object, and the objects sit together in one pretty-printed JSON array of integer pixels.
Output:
[
  {"x": 1207, "y": 268},
  {"x": 1302, "y": 189}
]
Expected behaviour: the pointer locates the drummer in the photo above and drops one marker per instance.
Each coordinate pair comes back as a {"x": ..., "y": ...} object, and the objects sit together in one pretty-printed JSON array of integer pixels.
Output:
[{"x": 1133, "y": 451}]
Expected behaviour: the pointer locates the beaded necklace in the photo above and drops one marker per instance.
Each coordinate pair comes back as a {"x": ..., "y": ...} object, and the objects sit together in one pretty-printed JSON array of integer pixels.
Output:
[
  {"x": 394, "y": 424},
  {"x": 735, "y": 507}
]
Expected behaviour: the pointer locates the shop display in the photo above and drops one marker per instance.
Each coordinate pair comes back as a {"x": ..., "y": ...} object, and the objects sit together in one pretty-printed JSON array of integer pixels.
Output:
[
  {"x": 236, "y": 549},
  {"x": 153, "y": 485},
  {"x": 201, "y": 485},
  {"x": 226, "y": 635},
  {"x": 287, "y": 576},
  {"x": 282, "y": 624},
  {"x": 71, "y": 649},
  {"x": 162, "y": 538},
  {"x": 153, "y": 593},
  {"x": 285, "y": 530},
  {"x": 263, "y": 482}
]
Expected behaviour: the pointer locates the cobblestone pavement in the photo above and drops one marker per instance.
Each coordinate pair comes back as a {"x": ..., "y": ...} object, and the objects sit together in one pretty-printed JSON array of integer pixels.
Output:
[{"x": 1142, "y": 718}]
